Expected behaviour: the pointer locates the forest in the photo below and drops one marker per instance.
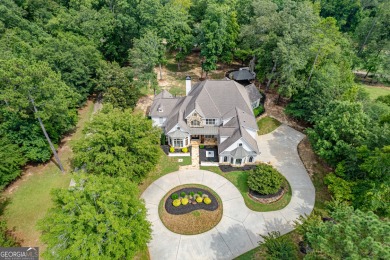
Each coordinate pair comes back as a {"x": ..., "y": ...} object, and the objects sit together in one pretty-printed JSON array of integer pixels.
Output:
[{"x": 59, "y": 53}]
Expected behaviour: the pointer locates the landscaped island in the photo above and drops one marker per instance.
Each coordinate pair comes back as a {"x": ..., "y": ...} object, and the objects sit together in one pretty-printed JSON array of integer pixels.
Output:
[{"x": 190, "y": 209}]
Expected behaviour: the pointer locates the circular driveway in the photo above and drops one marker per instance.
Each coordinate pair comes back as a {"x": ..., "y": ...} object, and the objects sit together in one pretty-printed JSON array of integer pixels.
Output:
[{"x": 240, "y": 228}]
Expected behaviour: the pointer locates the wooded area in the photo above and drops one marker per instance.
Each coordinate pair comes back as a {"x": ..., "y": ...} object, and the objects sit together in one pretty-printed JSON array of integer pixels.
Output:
[{"x": 61, "y": 52}]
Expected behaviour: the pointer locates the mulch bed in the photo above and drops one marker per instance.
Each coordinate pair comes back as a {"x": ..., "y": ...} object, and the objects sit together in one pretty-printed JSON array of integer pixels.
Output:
[
  {"x": 190, "y": 207},
  {"x": 202, "y": 154},
  {"x": 166, "y": 147},
  {"x": 228, "y": 168}
]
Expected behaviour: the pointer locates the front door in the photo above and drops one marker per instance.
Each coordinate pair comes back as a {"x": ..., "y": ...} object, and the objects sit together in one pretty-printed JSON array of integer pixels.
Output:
[{"x": 238, "y": 161}]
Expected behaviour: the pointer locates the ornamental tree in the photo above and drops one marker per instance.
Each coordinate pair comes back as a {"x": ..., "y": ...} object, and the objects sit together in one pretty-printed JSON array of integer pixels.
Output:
[
  {"x": 99, "y": 218},
  {"x": 265, "y": 180}
]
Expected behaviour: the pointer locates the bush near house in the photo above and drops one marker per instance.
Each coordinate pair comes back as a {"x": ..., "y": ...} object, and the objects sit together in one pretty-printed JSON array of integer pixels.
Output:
[
  {"x": 265, "y": 180},
  {"x": 171, "y": 149},
  {"x": 258, "y": 110},
  {"x": 184, "y": 150}
]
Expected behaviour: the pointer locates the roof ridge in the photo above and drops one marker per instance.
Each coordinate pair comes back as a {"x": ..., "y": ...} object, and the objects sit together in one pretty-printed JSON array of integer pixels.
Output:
[{"x": 205, "y": 88}]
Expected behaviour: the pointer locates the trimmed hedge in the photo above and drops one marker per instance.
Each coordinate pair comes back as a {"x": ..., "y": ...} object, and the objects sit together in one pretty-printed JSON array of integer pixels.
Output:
[{"x": 265, "y": 180}]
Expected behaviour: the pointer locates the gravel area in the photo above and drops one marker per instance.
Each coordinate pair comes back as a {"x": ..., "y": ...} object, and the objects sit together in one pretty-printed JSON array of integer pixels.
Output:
[{"x": 190, "y": 207}]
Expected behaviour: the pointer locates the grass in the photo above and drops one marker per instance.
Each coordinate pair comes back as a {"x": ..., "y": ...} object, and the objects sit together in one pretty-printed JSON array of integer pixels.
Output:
[
  {"x": 29, "y": 198},
  {"x": 186, "y": 160},
  {"x": 376, "y": 92},
  {"x": 165, "y": 165},
  {"x": 267, "y": 125},
  {"x": 192, "y": 223},
  {"x": 239, "y": 179}
]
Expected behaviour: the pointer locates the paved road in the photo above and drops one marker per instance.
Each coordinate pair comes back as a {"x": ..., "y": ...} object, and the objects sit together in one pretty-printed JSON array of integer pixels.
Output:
[{"x": 239, "y": 229}]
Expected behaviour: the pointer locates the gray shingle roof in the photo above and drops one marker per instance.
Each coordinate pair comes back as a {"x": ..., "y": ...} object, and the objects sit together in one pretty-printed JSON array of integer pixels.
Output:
[
  {"x": 243, "y": 74},
  {"x": 239, "y": 152},
  {"x": 224, "y": 99},
  {"x": 178, "y": 134},
  {"x": 253, "y": 93}
]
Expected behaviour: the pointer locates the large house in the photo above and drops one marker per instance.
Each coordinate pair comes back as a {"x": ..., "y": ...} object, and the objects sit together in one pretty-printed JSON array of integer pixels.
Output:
[{"x": 213, "y": 111}]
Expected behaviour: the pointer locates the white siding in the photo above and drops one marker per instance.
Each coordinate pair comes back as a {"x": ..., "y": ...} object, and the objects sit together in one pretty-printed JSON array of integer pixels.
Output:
[
  {"x": 223, "y": 138},
  {"x": 252, "y": 132},
  {"x": 158, "y": 121},
  {"x": 235, "y": 145}
]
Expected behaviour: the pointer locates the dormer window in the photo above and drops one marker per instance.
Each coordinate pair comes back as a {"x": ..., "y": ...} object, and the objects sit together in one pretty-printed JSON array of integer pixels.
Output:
[
  {"x": 160, "y": 109},
  {"x": 195, "y": 123}
]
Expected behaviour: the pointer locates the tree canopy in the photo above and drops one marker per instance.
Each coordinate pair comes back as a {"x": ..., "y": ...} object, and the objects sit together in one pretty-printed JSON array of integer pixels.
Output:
[
  {"x": 100, "y": 217},
  {"x": 118, "y": 143}
]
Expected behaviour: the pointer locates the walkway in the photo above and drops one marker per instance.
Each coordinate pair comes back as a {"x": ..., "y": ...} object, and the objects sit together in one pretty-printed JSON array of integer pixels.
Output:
[
  {"x": 194, "y": 159},
  {"x": 239, "y": 229}
]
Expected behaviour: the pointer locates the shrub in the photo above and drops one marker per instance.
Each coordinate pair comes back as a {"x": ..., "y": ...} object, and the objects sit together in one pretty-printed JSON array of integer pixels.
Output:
[
  {"x": 177, "y": 203},
  {"x": 184, "y": 201},
  {"x": 201, "y": 146},
  {"x": 265, "y": 180},
  {"x": 183, "y": 194},
  {"x": 192, "y": 193},
  {"x": 278, "y": 247},
  {"x": 174, "y": 196},
  {"x": 171, "y": 149},
  {"x": 163, "y": 139},
  {"x": 200, "y": 193},
  {"x": 196, "y": 195},
  {"x": 207, "y": 201},
  {"x": 199, "y": 199},
  {"x": 184, "y": 150},
  {"x": 258, "y": 110},
  {"x": 205, "y": 196}
]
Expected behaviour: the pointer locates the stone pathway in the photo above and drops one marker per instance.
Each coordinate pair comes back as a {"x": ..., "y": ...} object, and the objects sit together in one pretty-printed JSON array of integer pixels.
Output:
[
  {"x": 239, "y": 229},
  {"x": 194, "y": 159}
]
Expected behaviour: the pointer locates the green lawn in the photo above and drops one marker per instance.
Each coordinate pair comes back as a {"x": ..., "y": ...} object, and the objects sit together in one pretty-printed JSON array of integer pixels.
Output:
[
  {"x": 166, "y": 165},
  {"x": 267, "y": 125},
  {"x": 376, "y": 92},
  {"x": 239, "y": 179},
  {"x": 30, "y": 199}
]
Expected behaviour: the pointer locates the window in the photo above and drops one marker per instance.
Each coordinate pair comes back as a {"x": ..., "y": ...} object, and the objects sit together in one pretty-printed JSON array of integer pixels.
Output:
[
  {"x": 210, "y": 121},
  {"x": 209, "y": 136},
  {"x": 195, "y": 123},
  {"x": 238, "y": 161},
  {"x": 231, "y": 160},
  {"x": 240, "y": 144},
  {"x": 225, "y": 159},
  {"x": 195, "y": 114},
  {"x": 161, "y": 120},
  {"x": 178, "y": 142},
  {"x": 251, "y": 159}
]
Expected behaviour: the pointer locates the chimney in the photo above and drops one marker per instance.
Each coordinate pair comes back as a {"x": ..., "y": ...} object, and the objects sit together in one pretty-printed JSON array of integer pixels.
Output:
[{"x": 188, "y": 85}]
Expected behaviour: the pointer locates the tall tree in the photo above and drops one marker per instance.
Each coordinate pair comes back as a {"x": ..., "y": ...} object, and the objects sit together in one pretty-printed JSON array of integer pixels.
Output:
[
  {"x": 12, "y": 160},
  {"x": 147, "y": 52},
  {"x": 342, "y": 127},
  {"x": 352, "y": 234},
  {"x": 118, "y": 143},
  {"x": 174, "y": 27},
  {"x": 218, "y": 35},
  {"x": 117, "y": 85},
  {"x": 100, "y": 217},
  {"x": 55, "y": 102}
]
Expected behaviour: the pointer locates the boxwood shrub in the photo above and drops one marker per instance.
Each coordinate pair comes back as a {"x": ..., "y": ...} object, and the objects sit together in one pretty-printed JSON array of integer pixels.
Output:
[
  {"x": 265, "y": 180},
  {"x": 174, "y": 196}
]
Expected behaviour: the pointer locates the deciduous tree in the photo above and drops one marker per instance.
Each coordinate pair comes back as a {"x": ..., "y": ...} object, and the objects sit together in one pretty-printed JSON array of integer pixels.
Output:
[{"x": 100, "y": 217}]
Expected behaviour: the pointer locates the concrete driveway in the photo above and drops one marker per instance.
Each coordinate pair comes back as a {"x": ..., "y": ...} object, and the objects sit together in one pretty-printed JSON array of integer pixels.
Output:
[{"x": 239, "y": 229}]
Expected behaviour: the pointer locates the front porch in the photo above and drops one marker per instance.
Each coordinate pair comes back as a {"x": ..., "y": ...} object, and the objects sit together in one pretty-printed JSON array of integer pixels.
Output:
[{"x": 209, "y": 140}]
